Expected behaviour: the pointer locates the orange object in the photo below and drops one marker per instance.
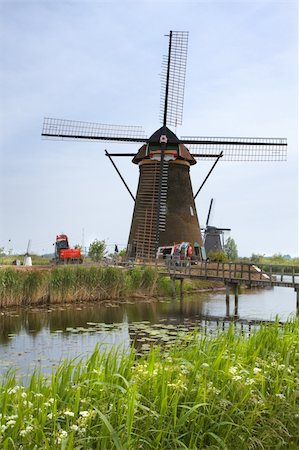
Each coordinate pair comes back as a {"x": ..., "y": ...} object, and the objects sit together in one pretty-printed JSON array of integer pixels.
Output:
[{"x": 64, "y": 254}]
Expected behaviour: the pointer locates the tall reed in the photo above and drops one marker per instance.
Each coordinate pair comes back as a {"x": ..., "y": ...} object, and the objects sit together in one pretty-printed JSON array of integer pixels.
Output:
[
  {"x": 224, "y": 392},
  {"x": 69, "y": 284}
]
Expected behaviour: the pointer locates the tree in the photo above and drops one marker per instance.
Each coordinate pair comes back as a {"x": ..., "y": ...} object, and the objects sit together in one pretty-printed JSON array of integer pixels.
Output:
[
  {"x": 97, "y": 250},
  {"x": 230, "y": 249},
  {"x": 217, "y": 256}
]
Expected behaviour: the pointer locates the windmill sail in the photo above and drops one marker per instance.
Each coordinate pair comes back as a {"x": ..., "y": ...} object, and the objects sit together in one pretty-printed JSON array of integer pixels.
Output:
[
  {"x": 74, "y": 129},
  {"x": 237, "y": 148},
  {"x": 173, "y": 79}
]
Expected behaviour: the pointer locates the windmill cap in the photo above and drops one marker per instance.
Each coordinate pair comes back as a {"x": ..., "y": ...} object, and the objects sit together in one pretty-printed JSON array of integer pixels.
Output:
[
  {"x": 163, "y": 131},
  {"x": 164, "y": 135}
]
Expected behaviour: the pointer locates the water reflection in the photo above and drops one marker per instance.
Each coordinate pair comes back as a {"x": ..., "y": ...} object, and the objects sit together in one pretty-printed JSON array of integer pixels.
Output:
[{"x": 44, "y": 337}]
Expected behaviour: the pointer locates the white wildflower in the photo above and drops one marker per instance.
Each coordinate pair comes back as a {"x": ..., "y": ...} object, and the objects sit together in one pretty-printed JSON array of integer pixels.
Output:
[
  {"x": 26, "y": 403},
  {"x": 49, "y": 402},
  {"x": 61, "y": 436},
  {"x": 13, "y": 390},
  {"x": 233, "y": 370},
  {"x": 74, "y": 427},
  {"x": 50, "y": 416},
  {"x": 12, "y": 417},
  {"x": 205, "y": 365},
  {"x": 84, "y": 413},
  {"x": 256, "y": 370},
  {"x": 215, "y": 390},
  {"x": 10, "y": 423},
  {"x": 236, "y": 378},
  {"x": 69, "y": 413},
  {"x": 26, "y": 431},
  {"x": 281, "y": 396}
]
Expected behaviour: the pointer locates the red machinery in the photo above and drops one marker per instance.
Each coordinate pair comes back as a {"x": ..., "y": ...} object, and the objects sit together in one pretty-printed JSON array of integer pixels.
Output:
[{"x": 64, "y": 254}]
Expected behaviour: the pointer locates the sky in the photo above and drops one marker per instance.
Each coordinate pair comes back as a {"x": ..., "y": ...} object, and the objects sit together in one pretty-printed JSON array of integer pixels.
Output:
[{"x": 101, "y": 62}]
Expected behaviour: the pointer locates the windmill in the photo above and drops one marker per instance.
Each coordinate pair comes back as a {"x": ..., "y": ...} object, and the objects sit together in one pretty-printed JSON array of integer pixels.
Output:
[
  {"x": 27, "y": 258},
  {"x": 213, "y": 236},
  {"x": 164, "y": 206}
]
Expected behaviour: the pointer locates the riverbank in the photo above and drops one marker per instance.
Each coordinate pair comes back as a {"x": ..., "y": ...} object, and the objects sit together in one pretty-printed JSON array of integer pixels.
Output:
[
  {"x": 227, "y": 391},
  {"x": 73, "y": 284}
]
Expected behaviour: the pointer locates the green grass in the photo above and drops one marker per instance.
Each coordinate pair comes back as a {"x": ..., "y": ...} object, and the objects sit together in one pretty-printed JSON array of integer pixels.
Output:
[
  {"x": 223, "y": 392},
  {"x": 37, "y": 260}
]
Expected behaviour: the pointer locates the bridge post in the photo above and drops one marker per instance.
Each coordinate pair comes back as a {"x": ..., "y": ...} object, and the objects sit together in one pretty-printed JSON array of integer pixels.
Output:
[
  {"x": 297, "y": 298},
  {"x": 236, "y": 289},
  {"x": 227, "y": 290},
  {"x": 181, "y": 288},
  {"x": 173, "y": 287}
]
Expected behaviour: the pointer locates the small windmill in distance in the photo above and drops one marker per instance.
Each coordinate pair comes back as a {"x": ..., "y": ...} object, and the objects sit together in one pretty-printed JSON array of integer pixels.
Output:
[
  {"x": 213, "y": 236},
  {"x": 164, "y": 205},
  {"x": 27, "y": 258}
]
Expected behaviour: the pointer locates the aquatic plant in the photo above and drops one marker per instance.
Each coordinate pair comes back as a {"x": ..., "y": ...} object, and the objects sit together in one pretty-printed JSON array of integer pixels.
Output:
[{"x": 222, "y": 392}]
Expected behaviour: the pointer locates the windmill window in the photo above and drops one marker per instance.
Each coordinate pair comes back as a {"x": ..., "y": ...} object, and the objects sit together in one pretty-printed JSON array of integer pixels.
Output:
[{"x": 191, "y": 211}]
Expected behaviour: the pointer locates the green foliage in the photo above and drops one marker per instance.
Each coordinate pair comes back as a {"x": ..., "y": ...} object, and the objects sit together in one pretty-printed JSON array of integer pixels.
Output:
[
  {"x": 97, "y": 250},
  {"x": 276, "y": 259},
  {"x": 223, "y": 392},
  {"x": 217, "y": 256},
  {"x": 230, "y": 249},
  {"x": 256, "y": 258}
]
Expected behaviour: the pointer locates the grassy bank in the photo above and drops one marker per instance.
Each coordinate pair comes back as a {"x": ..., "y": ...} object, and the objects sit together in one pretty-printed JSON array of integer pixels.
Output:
[
  {"x": 37, "y": 260},
  {"x": 225, "y": 392},
  {"x": 81, "y": 284}
]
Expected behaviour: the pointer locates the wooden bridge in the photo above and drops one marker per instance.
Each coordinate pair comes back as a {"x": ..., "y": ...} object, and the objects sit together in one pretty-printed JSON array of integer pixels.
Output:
[{"x": 235, "y": 274}]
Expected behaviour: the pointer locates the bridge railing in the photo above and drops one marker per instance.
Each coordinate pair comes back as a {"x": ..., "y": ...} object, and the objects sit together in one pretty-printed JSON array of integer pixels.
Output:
[{"x": 246, "y": 272}]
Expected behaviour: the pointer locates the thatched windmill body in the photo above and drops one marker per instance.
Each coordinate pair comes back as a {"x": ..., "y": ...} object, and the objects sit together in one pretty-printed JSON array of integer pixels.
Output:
[{"x": 165, "y": 211}]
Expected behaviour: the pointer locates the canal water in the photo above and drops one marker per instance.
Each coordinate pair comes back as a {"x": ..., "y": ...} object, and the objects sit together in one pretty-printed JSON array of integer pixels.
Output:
[{"x": 42, "y": 338}]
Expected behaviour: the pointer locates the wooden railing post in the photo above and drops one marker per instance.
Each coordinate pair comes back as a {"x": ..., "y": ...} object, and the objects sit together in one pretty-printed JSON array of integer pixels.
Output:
[
  {"x": 282, "y": 273},
  {"x": 297, "y": 298},
  {"x": 270, "y": 272}
]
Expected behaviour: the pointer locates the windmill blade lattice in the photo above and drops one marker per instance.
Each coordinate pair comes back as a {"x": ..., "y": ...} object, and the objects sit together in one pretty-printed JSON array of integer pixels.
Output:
[
  {"x": 173, "y": 79},
  {"x": 237, "y": 149},
  {"x": 73, "y": 129}
]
